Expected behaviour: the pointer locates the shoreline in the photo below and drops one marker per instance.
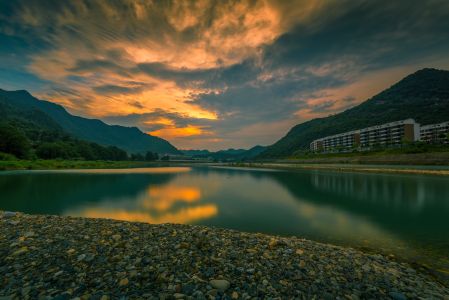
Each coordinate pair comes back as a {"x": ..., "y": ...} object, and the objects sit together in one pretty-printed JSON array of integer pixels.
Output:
[
  {"x": 345, "y": 168},
  {"x": 78, "y": 257},
  {"x": 23, "y": 165},
  {"x": 42, "y": 165},
  {"x": 439, "y": 158},
  {"x": 13, "y": 165}
]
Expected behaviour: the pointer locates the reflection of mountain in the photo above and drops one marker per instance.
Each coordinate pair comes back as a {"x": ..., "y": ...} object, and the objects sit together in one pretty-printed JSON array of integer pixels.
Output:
[
  {"x": 306, "y": 202},
  {"x": 404, "y": 215},
  {"x": 252, "y": 200},
  {"x": 145, "y": 195},
  {"x": 403, "y": 205},
  {"x": 53, "y": 193}
]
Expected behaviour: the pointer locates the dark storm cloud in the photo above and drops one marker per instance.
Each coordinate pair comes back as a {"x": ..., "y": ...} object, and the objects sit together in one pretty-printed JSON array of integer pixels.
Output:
[
  {"x": 375, "y": 33},
  {"x": 131, "y": 88},
  {"x": 149, "y": 120},
  {"x": 267, "y": 100},
  {"x": 367, "y": 36},
  {"x": 183, "y": 77}
]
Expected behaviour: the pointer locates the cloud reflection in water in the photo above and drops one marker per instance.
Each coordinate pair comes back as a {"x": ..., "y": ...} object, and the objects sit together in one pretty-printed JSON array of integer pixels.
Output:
[{"x": 168, "y": 203}]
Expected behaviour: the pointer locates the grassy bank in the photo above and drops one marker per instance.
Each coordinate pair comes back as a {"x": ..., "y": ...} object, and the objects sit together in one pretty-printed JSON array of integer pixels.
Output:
[
  {"x": 345, "y": 168},
  {"x": 68, "y": 164},
  {"x": 374, "y": 158}
]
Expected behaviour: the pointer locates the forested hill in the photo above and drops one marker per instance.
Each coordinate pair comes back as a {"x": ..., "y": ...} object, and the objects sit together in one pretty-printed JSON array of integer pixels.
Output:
[
  {"x": 226, "y": 155},
  {"x": 423, "y": 96},
  {"x": 130, "y": 139},
  {"x": 28, "y": 133}
]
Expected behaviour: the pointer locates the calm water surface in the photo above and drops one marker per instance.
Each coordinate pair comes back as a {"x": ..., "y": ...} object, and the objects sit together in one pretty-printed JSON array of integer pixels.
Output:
[{"x": 407, "y": 215}]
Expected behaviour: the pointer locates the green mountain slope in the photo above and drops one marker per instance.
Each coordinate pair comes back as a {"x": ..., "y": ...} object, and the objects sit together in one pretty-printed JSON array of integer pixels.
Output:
[
  {"x": 229, "y": 154},
  {"x": 423, "y": 96},
  {"x": 130, "y": 139},
  {"x": 29, "y": 133}
]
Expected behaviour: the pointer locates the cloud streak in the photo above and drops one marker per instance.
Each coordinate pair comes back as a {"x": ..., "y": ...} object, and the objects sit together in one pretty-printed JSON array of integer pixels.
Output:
[{"x": 216, "y": 74}]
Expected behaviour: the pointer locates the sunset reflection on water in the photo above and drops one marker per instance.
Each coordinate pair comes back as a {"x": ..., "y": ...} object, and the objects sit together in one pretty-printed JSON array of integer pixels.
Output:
[
  {"x": 162, "y": 198},
  {"x": 401, "y": 215},
  {"x": 182, "y": 216},
  {"x": 169, "y": 203}
]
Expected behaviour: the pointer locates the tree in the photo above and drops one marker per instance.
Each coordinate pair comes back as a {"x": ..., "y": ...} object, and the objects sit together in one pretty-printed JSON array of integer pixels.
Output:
[
  {"x": 137, "y": 157},
  {"x": 85, "y": 151},
  {"x": 116, "y": 154},
  {"x": 54, "y": 150},
  {"x": 13, "y": 141},
  {"x": 150, "y": 156}
]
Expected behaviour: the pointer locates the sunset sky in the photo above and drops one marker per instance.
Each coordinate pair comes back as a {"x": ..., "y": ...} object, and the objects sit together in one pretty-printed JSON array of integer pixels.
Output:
[{"x": 216, "y": 74}]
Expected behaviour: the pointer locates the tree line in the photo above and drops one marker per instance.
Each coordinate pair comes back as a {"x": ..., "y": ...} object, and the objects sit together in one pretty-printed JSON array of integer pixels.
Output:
[{"x": 29, "y": 143}]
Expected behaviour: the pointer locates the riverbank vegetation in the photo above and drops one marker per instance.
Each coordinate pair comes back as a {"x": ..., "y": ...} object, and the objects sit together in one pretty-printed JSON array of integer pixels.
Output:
[
  {"x": 49, "y": 164},
  {"x": 409, "y": 148},
  {"x": 28, "y": 143},
  {"x": 411, "y": 154}
]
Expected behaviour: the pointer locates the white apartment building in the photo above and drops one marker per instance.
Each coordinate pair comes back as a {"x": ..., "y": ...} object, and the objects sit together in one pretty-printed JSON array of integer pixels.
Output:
[
  {"x": 435, "y": 133},
  {"x": 385, "y": 135},
  {"x": 341, "y": 142},
  {"x": 389, "y": 134}
]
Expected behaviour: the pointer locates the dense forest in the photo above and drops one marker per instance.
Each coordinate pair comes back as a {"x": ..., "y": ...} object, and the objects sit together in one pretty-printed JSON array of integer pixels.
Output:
[
  {"x": 31, "y": 134},
  {"x": 130, "y": 139},
  {"x": 423, "y": 96}
]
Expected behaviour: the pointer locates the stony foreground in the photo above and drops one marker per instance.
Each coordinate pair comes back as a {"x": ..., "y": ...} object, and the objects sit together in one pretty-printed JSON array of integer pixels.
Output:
[{"x": 49, "y": 257}]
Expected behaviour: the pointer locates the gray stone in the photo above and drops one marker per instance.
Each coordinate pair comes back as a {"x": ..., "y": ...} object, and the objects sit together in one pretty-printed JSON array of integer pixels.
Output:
[
  {"x": 9, "y": 214},
  {"x": 81, "y": 257},
  {"x": 144, "y": 263},
  {"x": 220, "y": 284},
  {"x": 397, "y": 296},
  {"x": 29, "y": 234}
]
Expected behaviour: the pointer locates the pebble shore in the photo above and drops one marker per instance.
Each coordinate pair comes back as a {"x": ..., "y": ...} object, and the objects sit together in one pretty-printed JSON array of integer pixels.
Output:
[{"x": 51, "y": 257}]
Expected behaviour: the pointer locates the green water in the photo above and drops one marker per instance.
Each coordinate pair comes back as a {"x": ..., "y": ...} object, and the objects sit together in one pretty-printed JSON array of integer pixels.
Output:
[{"x": 406, "y": 215}]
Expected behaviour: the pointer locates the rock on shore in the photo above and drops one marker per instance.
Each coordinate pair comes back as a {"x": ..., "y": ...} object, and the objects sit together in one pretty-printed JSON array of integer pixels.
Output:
[{"x": 50, "y": 257}]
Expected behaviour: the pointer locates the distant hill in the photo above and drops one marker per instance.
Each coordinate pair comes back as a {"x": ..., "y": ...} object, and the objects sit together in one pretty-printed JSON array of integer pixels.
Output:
[
  {"x": 423, "y": 96},
  {"x": 253, "y": 152},
  {"x": 229, "y": 154},
  {"x": 195, "y": 152},
  {"x": 28, "y": 133},
  {"x": 130, "y": 139}
]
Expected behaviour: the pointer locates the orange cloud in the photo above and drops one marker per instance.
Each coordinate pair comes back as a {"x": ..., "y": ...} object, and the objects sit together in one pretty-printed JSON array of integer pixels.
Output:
[
  {"x": 235, "y": 33},
  {"x": 160, "y": 121},
  {"x": 176, "y": 132},
  {"x": 198, "y": 35}
]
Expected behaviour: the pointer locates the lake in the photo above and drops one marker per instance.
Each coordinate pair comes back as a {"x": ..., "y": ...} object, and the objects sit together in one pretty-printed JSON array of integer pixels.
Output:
[{"x": 404, "y": 215}]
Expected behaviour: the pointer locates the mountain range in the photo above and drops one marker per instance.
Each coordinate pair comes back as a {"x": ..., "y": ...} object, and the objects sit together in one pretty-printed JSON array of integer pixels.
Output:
[
  {"x": 229, "y": 154},
  {"x": 55, "y": 117},
  {"x": 423, "y": 96}
]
